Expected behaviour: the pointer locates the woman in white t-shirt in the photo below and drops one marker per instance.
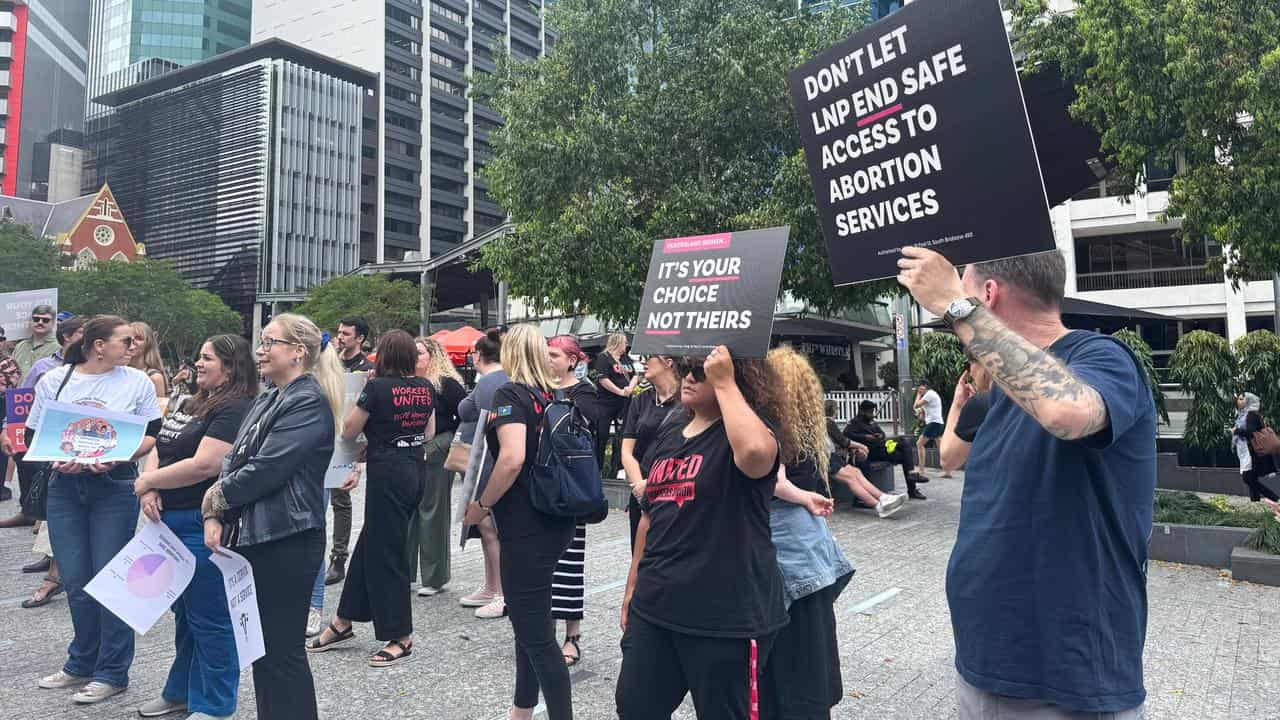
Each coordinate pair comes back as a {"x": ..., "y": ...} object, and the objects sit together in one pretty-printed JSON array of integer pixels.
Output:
[{"x": 92, "y": 510}]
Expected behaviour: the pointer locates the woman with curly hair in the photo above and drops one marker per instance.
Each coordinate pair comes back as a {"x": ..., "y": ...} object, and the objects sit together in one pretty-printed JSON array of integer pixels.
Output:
[
  {"x": 429, "y": 528},
  {"x": 704, "y": 597},
  {"x": 801, "y": 680}
]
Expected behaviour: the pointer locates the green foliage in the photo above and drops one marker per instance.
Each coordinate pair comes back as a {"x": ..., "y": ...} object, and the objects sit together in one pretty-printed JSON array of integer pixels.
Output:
[
  {"x": 1203, "y": 365},
  {"x": 153, "y": 292},
  {"x": 386, "y": 304},
  {"x": 888, "y": 374},
  {"x": 1169, "y": 79},
  {"x": 27, "y": 262},
  {"x": 649, "y": 120},
  {"x": 1184, "y": 508},
  {"x": 939, "y": 358},
  {"x": 1141, "y": 349},
  {"x": 1258, "y": 355}
]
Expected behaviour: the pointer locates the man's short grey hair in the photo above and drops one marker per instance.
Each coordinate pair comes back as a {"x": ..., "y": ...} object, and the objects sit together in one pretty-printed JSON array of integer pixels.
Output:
[
  {"x": 1042, "y": 276},
  {"x": 42, "y": 310}
]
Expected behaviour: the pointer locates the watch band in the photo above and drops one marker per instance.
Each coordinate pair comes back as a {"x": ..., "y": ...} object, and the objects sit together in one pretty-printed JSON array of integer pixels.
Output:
[{"x": 951, "y": 320}]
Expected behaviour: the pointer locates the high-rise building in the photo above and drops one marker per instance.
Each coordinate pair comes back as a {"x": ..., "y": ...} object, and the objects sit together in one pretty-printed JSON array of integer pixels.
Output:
[
  {"x": 435, "y": 135},
  {"x": 42, "y": 75},
  {"x": 245, "y": 170},
  {"x": 133, "y": 40}
]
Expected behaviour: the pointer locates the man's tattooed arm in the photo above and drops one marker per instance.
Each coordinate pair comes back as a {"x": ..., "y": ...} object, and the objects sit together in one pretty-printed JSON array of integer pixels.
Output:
[{"x": 1037, "y": 381}]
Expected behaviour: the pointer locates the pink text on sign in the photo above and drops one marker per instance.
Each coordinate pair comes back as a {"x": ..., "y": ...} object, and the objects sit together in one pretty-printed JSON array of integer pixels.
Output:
[{"x": 696, "y": 243}]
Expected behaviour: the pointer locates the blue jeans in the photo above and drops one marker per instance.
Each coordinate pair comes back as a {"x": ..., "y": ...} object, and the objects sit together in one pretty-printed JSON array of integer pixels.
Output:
[
  {"x": 206, "y": 672},
  {"x": 317, "y": 590},
  {"x": 91, "y": 517}
]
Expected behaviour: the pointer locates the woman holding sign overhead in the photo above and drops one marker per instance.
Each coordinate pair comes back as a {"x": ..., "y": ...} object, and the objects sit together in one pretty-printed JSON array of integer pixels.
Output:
[
  {"x": 268, "y": 504},
  {"x": 195, "y": 438},
  {"x": 92, "y": 511},
  {"x": 396, "y": 413}
]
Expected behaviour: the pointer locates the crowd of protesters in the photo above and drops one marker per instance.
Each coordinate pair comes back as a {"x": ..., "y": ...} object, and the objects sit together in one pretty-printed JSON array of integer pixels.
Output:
[{"x": 735, "y": 574}]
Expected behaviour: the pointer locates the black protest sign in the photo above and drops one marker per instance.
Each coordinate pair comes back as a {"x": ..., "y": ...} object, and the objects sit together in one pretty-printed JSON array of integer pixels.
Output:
[
  {"x": 712, "y": 290},
  {"x": 915, "y": 133}
]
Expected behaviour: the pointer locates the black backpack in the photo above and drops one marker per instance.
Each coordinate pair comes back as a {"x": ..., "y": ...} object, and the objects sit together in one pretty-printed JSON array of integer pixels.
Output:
[{"x": 564, "y": 478}]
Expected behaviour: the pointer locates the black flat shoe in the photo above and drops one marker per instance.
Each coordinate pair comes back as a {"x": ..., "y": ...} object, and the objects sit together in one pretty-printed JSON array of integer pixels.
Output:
[
  {"x": 916, "y": 495},
  {"x": 39, "y": 566}
]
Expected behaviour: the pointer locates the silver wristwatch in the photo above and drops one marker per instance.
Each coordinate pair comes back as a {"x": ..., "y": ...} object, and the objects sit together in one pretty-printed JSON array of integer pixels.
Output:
[{"x": 960, "y": 309}]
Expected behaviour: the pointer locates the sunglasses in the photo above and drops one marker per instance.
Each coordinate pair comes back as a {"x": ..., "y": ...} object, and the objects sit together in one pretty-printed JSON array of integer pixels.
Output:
[
  {"x": 129, "y": 342},
  {"x": 693, "y": 369},
  {"x": 41, "y": 320}
]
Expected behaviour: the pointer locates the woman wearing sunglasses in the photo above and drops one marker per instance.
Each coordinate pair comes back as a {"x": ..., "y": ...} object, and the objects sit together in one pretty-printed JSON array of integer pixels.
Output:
[
  {"x": 92, "y": 511},
  {"x": 704, "y": 595}
]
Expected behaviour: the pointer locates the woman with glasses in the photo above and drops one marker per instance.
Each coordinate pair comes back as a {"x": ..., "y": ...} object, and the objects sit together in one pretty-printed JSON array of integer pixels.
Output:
[
  {"x": 704, "y": 596},
  {"x": 146, "y": 357},
  {"x": 195, "y": 438},
  {"x": 268, "y": 503},
  {"x": 92, "y": 511}
]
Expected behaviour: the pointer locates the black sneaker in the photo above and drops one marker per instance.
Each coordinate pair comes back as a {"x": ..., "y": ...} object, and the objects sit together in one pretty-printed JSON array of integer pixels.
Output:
[{"x": 916, "y": 495}]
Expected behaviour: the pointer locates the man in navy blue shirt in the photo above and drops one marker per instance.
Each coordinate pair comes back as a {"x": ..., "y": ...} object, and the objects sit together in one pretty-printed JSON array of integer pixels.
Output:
[{"x": 1047, "y": 581}]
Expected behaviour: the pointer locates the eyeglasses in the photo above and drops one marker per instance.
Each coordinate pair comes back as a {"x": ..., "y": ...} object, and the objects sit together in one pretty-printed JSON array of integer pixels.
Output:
[
  {"x": 266, "y": 343},
  {"x": 41, "y": 320},
  {"x": 129, "y": 342}
]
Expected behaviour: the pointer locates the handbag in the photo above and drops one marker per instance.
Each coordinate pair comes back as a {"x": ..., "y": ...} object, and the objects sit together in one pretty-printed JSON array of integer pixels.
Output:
[
  {"x": 37, "y": 501},
  {"x": 459, "y": 454}
]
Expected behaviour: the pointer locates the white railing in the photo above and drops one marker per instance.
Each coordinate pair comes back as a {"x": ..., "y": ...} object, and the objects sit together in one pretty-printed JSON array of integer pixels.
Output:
[{"x": 847, "y": 405}]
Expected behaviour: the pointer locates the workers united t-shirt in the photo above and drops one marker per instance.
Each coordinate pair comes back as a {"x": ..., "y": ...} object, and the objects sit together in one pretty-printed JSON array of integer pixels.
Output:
[
  {"x": 1047, "y": 582},
  {"x": 608, "y": 368},
  {"x": 399, "y": 409},
  {"x": 709, "y": 566}
]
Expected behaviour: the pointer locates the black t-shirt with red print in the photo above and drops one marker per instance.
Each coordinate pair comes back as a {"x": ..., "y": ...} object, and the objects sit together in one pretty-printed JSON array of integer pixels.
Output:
[
  {"x": 607, "y": 368},
  {"x": 514, "y": 513},
  {"x": 399, "y": 410},
  {"x": 709, "y": 567}
]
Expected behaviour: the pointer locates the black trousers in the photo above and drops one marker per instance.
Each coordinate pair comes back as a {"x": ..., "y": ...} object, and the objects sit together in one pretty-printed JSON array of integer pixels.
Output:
[
  {"x": 527, "y": 565},
  {"x": 284, "y": 571},
  {"x": 377, "y": 585},
  {"x": 904, "y": 454},
  {"x": 634, "y": 513},
  {"x": 659, "y": 666},
  {"x": 1257, "y": 490},
  {"x": 606, "y": 416}
]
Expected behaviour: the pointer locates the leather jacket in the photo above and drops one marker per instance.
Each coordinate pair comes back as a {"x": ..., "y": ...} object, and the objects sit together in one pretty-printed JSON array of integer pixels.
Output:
[{"x": 273, "y": 478}]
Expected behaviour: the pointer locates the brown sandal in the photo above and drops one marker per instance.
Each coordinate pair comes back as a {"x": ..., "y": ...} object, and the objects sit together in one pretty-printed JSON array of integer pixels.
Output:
[{"x": 382, "y": 658}]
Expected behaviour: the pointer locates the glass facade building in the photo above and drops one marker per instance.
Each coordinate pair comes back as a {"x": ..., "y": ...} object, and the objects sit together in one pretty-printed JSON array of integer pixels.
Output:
[
  {"x": 245, "y": 170},
  {"x": 125, "y": 33}
]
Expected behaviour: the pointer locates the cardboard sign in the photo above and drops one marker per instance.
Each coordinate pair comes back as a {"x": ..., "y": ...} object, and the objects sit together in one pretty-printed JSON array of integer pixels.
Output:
[
  {"x": 17, "y": 405},
  {"x": 85, "y": 434},
  {"x": 345, "y": 452},
  {"x": 242, "y": 605},
  {"x": 915, "y": 133},
  {"x": 712, "y": 290},
  {"x": 15, "y": 310}
]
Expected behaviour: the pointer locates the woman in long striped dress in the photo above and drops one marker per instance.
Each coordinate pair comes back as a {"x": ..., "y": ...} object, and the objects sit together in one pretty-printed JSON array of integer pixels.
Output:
[{"x": 569, "y": 583}]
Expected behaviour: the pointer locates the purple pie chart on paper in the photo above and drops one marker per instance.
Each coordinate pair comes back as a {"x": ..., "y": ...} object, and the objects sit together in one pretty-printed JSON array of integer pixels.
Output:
[{"x": 149, "y": 576}]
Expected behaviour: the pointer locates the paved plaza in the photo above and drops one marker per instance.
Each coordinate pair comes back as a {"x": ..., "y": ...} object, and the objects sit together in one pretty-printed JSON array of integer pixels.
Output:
[{"x": 1213, "y": 646}]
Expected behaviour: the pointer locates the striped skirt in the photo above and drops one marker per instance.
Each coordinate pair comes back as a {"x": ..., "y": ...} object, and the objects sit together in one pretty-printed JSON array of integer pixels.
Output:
[{"x": 569, "y": 582}]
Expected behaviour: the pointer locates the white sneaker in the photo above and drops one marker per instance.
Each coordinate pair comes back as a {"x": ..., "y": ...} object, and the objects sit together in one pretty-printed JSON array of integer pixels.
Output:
[
  {"x": 889, "y": 504},
  {"x": 479, "y": 598},
  {"x": 428, "y": 591},
  {"x": 61, "y": 679},
  {"x": 161, "y": 707},
  {"x": 495, "y": 609},
  {"x": 314, "y": 622},
  {"x": 96, "y": 692}
]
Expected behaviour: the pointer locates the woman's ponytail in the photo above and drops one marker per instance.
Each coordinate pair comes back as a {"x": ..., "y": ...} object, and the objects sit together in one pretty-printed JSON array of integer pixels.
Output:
[{"x": 328, "y": 373}]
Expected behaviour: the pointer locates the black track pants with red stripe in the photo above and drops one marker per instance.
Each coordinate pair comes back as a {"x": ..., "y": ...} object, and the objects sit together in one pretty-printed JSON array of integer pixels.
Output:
[{"x": 659, "y": 666}]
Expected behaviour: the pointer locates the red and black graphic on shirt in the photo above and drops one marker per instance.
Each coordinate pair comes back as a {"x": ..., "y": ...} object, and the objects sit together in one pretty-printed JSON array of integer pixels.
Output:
[
  {"x": 674, "y": 480},
  {"x": 411, "y": 411}
]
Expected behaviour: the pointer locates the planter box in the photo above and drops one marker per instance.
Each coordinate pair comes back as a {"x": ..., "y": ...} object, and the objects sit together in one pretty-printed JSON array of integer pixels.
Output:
[
  {"x": 1254, "y": 566},
  {"x": 1218, "y": 481},
  {"x": 1196, "y": 544},
  {"x": 617, "y": 492},
  {"x": 881, "y": 474}
]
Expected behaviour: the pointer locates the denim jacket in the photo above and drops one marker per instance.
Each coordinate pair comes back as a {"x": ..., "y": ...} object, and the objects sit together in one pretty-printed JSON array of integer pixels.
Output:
[{"x": 808, "y": 556}]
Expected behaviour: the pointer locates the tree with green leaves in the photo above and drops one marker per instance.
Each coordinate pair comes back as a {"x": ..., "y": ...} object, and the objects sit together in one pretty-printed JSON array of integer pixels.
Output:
[
  {"x": 151, "y": 291},
  {"x": 1258, "y": 359},
  {"x": 655, "y": 119},
  {"x": 27, "y": 262},
  {"x": 1202, "y": 363},
  {"x": 1193, "y": 82},
  {"x": 1142, "y": 351},
  {"x": 938, "y": 358},
  {"x": 386, "y": 304}
]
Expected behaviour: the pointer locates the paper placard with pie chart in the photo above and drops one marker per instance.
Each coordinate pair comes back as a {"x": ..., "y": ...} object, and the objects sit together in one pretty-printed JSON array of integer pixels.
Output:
[
  {"x": 85, "y": 434},
  {"x": 144, "y": 579}
]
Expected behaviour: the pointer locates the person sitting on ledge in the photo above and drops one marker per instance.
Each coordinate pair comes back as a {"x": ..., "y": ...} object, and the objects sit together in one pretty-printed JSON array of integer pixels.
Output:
[{"x": 864, "y": 429}]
